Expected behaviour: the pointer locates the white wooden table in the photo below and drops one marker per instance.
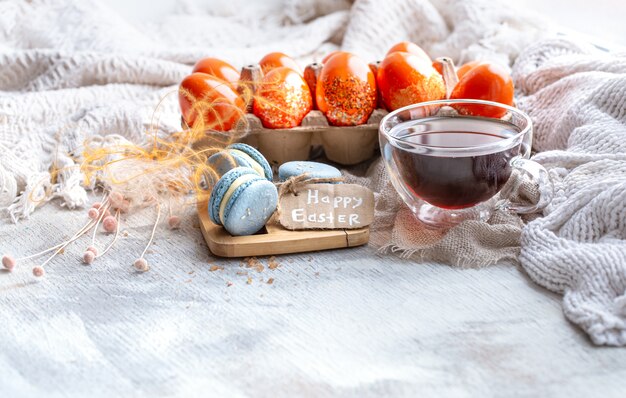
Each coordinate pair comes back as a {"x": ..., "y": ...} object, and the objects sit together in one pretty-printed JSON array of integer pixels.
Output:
[{"x": 347, "y": 323}]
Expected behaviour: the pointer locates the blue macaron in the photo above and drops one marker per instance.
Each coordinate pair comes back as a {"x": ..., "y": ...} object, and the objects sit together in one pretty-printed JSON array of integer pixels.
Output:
[
  {"x": 313, "y": 170},
  {"x": 242, "y": 201},
  {"x": 240, "y": 155}
]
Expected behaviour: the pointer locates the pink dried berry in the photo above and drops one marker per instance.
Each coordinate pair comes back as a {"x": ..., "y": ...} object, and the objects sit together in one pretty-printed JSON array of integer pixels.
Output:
[{"x": 109, "y": 224}]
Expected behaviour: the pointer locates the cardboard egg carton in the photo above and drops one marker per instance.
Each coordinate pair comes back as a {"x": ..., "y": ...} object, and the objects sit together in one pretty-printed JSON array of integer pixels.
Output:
[{"x": 346, "y": 145}]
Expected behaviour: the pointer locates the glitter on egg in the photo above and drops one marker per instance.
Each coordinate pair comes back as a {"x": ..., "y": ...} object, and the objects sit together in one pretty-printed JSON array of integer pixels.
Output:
[
  {"x": 346, "y": 90},
  {"x": 282, "y": 99},
  {"x": 404, "y": 79},
  {"x": 346, "y": 105}
]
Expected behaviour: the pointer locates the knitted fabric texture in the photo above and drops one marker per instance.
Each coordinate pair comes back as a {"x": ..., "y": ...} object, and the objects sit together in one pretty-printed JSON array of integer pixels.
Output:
[
  {"x": 577, "y": 97},
  {"x": 75, "y": 70}
]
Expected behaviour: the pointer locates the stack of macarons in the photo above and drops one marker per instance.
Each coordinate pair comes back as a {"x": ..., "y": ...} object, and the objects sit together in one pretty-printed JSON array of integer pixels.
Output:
[
  {"x": 240, "y": 155},
  {"x": 244, "y": 198},
  {"x": 242, "y": 201}
]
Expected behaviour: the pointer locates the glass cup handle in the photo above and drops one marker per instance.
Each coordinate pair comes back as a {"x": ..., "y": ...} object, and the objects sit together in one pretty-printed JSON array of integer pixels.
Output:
[{"x": 539, "y": 175}]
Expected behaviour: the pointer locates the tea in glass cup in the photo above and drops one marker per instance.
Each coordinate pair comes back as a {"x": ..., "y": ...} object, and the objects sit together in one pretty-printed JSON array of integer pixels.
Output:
[{"x": 449, "y": 166}]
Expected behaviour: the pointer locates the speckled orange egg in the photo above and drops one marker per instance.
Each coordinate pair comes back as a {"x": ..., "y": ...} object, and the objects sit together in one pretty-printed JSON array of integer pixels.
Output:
[
  {"x": 282, "y": 99},
  {"x": 277, "y": 60},
  {"x": 404, "y": 79},
  {"x": 346, "y": 90}
]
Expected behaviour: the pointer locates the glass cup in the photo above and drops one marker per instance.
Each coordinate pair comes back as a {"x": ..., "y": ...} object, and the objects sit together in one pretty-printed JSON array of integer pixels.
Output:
[{"x": 450, "y": 165}]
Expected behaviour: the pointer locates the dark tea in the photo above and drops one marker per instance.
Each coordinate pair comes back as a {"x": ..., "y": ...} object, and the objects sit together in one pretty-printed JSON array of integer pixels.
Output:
[{"x": 454, "y": 163}]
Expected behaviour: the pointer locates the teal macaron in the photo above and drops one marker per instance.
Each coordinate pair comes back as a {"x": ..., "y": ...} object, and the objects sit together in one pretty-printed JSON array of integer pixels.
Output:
[
  {"x": 240, "y": 155},
  {"x": 313, "y": 170},
  {"x": 242, "y": 201}
]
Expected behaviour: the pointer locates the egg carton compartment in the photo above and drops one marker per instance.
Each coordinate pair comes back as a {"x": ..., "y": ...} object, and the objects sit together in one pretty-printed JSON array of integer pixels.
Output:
[{"x": 346, "y": 145}]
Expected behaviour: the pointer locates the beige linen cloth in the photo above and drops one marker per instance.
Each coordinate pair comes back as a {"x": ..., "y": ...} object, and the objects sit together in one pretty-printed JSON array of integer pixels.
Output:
[{"x": 75, "y": 70}]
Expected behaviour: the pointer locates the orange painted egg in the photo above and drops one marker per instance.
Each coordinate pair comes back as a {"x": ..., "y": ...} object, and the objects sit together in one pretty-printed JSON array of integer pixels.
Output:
[
  {"x": 282, "y": 99},
  {"x": 277, "y": 60},
  {"x": 466, "y": 67},
  {"x": 408, "y": 47},
  {"x": 207, "y": 103},
  {"x": 346, "y": 90},
  {"x": 460, "y": 71},
  {"x": 218, "y": 69},
  {"x": 330, "y": 54},
  {"x": 404, "y": 79},
  {"x": 484, "y": 81},
  {"x": 438, "y": 67}
]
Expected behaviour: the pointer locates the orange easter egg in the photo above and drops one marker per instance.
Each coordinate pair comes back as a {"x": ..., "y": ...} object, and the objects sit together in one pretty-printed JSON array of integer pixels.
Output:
[
  {"x": 277, "y": 60},
  {"x": 282, "y": 99},
  {"x": 208, "y": 103},
  {"x": 438, "y": 67},
  {"x": 466, "y": 68},
  {"x": 217, "y": 68},
  {"x": 346, "y": 90},
  {"x": 483, "y": 81},
  {"x": 408, "y": 47},
  {"x": 330, "y": 55},
  {"x": 404, "y": 79}
]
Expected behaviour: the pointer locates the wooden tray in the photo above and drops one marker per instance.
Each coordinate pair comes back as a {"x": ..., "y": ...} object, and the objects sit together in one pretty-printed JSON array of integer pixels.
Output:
[{"x": 275, "y": 239}]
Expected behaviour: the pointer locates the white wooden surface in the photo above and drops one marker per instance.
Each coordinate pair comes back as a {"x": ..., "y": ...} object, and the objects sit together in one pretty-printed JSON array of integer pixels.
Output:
[{"x": 346, "y": 323}]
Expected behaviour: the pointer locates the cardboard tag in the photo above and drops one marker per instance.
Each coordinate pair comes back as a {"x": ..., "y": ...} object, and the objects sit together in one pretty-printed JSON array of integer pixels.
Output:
[{"x": 327, "y": 206}]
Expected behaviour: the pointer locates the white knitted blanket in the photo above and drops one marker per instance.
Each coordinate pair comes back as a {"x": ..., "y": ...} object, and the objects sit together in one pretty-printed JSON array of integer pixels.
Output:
[
  {"x": 576, "y": 96},
  {"x": 71, "y": 70}
]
